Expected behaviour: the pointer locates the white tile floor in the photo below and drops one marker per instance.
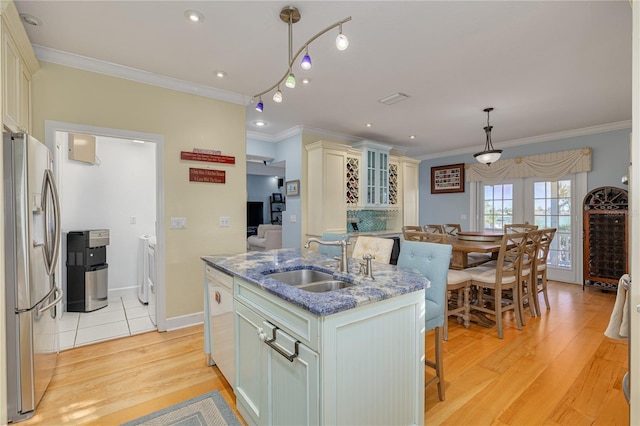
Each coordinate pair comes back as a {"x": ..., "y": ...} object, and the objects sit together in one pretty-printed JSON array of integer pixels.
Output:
[{"x": 123, "y": 316}]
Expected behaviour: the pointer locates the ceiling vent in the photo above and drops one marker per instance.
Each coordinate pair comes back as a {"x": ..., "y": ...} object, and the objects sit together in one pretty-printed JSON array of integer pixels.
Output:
[{"x": 393, "y": 99}]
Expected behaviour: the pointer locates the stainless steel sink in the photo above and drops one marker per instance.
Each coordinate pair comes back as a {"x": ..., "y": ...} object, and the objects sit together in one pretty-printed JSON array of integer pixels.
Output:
[
  {"x": 300, "y": 277},
  {"x": 323, "y": 286}
]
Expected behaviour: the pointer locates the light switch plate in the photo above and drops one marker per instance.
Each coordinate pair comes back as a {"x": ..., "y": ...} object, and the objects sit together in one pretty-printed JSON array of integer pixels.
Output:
[
  {"x": 293, "y": 218},
  {"x": 178, "y": 223}
]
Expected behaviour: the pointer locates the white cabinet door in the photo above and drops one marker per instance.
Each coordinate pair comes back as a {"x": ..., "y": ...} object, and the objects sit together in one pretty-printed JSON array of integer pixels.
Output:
[
  {"x": 293, "y": 382},
  {"x": 277, "y": 376},
  {"x": 376, "y": 184},
  {"x": 10, "y": 82},
  {"x": 251, "y": 374}
]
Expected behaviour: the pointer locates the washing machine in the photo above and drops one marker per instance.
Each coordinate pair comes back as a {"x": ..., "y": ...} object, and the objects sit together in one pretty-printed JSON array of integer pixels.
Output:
[
  {"x": 150, "y": 278},
  {"x": 143, "y": 268}
]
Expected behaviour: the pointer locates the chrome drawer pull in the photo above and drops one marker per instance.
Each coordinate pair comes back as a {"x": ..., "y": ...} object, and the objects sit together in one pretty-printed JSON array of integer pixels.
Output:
[{"x": 270, "y": 342}]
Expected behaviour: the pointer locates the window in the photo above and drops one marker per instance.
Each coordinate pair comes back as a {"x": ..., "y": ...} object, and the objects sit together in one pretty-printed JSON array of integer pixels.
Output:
[
  {"x": 553, "y": 209},
  {"x": 498, "y": 206}
]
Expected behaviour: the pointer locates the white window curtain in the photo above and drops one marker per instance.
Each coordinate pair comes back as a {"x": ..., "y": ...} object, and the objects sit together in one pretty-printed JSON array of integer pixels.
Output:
[{"x": 551, "y": 166}]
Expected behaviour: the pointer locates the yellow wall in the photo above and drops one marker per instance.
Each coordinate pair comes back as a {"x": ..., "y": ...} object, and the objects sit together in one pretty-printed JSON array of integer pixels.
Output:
[{"x": 185, "y": 121}]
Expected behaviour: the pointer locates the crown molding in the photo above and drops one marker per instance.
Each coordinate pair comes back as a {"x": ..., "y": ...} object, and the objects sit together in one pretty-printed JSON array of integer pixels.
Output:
[
  {"x": 114, "y": 70},
  {"x": 538, "y": 139}
]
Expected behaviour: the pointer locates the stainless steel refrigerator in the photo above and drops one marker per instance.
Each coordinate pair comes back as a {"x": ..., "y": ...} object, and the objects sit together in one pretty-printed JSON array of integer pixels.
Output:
[{"x": 32, "y": 241}]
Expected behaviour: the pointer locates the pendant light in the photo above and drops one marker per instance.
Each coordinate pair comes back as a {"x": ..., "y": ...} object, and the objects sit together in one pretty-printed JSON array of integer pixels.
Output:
[
  {"x": 290, "y": 15},
  {"x": 489, "y": 154}
]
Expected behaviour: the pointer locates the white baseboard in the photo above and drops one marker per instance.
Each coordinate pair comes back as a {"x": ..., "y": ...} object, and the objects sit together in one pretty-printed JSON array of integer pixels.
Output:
[{"x": 176, "y": 323}]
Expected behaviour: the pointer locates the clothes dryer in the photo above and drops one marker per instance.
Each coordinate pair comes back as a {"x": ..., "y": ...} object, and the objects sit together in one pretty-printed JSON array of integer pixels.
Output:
[{"x": 143, "y": 268}]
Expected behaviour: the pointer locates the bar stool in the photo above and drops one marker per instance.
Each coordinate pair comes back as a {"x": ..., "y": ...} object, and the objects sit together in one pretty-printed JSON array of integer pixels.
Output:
[{"x": 432, "y": 260}]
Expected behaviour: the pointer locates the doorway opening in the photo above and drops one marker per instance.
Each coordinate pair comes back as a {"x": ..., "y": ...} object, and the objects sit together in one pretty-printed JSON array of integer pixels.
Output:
[{"x": 121, "y": 189}]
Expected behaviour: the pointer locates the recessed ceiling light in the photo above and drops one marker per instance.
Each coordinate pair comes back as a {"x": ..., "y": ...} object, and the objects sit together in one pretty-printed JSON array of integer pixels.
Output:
[
  {"x": 260, "y": 123},
  {"x": 194, "y": 16},
  {"x": 220, "y": 74},
  {"x": 306, "y": 80},
  {"x": 412, "y": 137},
  {"x": 369, "y": 125},
  {"x": 30, "y": 19}
]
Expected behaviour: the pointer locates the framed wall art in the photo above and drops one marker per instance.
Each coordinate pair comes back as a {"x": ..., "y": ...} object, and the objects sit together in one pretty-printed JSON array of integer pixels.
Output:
[
  {"x": 446, "y": 179},
  {"x": 292, "y": 187}
]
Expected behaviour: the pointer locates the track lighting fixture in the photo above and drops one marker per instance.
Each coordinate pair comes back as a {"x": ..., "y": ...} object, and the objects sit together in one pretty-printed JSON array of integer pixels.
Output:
[
  {"x": 489, "y": 155},
  {"x": 290, "y": 82},
  {"x": 277, "y": 97},
  {"x": 306, "y": 60},
  {"x": 342, "y": 42},
  {"x": 290, "y": 15}
]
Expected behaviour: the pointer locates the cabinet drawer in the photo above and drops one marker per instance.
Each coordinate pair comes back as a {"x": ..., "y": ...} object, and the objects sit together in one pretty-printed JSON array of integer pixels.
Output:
[{"x": 299, "y": 323}]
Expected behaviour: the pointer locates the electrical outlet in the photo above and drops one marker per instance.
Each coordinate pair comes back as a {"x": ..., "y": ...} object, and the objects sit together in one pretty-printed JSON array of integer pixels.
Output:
[
  {"x": 224, "y": 221},
  {"x": 463, "y": 216},
  {"x": 293, "y": 218},
  {"x": 133, "y": 220}
]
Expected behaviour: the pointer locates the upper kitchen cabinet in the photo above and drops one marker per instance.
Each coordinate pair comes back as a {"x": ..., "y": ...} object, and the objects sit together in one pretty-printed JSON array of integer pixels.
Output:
[
  {"x": 326, "y": 208},
  {"x": 19, "y": 63},
  {"x": 363, "y": 185},
  {"x": 375, "y": 179}
]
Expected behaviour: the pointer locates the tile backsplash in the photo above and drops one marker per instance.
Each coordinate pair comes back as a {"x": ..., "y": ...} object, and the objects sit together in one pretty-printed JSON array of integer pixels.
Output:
[{"x": 369, "y": 220}]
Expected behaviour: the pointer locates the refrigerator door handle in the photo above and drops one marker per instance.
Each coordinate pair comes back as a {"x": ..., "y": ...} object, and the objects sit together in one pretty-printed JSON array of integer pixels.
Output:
[
  {"x": 51, "y": 253},
  {"x": 45, "y": 308}
]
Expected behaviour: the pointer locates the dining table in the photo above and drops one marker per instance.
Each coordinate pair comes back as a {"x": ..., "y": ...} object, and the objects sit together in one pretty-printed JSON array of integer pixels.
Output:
[{"x": 465, "y": 243}]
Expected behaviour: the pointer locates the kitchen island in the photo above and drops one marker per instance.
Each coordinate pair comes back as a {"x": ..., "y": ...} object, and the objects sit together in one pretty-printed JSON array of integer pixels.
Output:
[{"x": 354, "y": 355}]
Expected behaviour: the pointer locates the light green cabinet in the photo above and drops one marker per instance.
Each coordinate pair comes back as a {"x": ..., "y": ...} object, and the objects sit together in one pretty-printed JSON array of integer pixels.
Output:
[
  {"x": 277, "y": 379},
  {"x": 359, "y": 366}
]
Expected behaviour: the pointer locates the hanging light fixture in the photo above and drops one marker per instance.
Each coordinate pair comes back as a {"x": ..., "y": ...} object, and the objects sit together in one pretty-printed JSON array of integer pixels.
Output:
[
  {"x": 306, "y": 60},
  {"x": 290, "y": 15},
  {"x": 342, "y": 42},
  {"x": 259, "y": 105},
  {"x": 489, "y": 154},
  {"x": 277, "y": 97}
]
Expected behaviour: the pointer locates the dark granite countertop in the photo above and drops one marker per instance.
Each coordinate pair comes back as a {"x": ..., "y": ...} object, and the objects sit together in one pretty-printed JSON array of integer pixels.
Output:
[{"x": 390, "y": 280}]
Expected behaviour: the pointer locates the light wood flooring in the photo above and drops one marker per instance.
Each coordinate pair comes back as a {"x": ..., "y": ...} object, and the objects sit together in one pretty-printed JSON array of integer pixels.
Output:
[{"x": 559, "y": 370}]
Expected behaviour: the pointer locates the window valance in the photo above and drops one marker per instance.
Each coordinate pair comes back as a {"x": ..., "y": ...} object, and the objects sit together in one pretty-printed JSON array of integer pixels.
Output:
[{"x": 550, "y": 166}]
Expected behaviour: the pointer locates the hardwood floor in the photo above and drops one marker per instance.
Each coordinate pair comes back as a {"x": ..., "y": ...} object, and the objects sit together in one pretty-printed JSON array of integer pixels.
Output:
[{"x": 559, "y": 370}]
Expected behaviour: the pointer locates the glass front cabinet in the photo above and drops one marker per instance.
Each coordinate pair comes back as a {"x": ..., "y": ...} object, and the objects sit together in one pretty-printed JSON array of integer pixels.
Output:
[{"x": 376, "y": 177}]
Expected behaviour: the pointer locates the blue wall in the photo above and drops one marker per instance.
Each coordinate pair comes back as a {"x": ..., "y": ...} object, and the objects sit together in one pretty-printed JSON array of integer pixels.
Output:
[
  {"x": 610, "y": 161},
  {"x": 259, "y": 188},
  {"x": 288, "y": 150}
]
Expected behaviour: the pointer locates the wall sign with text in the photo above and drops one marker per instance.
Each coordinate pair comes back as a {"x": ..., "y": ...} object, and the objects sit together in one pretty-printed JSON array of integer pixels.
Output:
[{"x": 206, "y": 175}]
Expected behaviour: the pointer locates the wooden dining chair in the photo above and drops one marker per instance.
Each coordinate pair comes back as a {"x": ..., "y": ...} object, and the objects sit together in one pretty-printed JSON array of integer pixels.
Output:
[
  {"x": 527, "y": 286},
  {"x": 410, "y": 228},
  {"x": 540, "y": 279},
  {"x": 518, "y": 227},
  {"x": 428, "y": 237},
  {"x": 380, "y": 248},
  {"x": 458, "y": 282},
  {"x": 432, "y": 260},
  {"x": 451, "y": 228},
  {"x": 433, "y": 228},
  {"x": 501, "y": 276}
]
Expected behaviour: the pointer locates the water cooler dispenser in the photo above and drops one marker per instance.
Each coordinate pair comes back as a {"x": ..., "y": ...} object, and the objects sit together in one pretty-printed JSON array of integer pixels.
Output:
[{"x": 87, "y": 270}]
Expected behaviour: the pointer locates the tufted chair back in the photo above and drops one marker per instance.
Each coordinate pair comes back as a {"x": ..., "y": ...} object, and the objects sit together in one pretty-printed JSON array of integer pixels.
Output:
[
  {"x": 432, "y": 260},
  {"x": 331, "y": 250}
]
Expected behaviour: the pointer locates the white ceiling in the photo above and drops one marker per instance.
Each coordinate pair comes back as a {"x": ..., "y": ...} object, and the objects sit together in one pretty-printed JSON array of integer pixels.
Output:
[{"x": 546, "y": 67}]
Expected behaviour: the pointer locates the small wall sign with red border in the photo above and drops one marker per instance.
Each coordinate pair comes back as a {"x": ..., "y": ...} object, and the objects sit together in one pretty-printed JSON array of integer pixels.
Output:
[
  {"x": 209, "y": 158},
  {"x": 207, "y": 175}
]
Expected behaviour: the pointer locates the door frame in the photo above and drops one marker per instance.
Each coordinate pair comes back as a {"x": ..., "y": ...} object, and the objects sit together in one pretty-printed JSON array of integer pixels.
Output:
[
  {"x": 52, "y": 127},
  {"x": 578, "y": 192}
]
